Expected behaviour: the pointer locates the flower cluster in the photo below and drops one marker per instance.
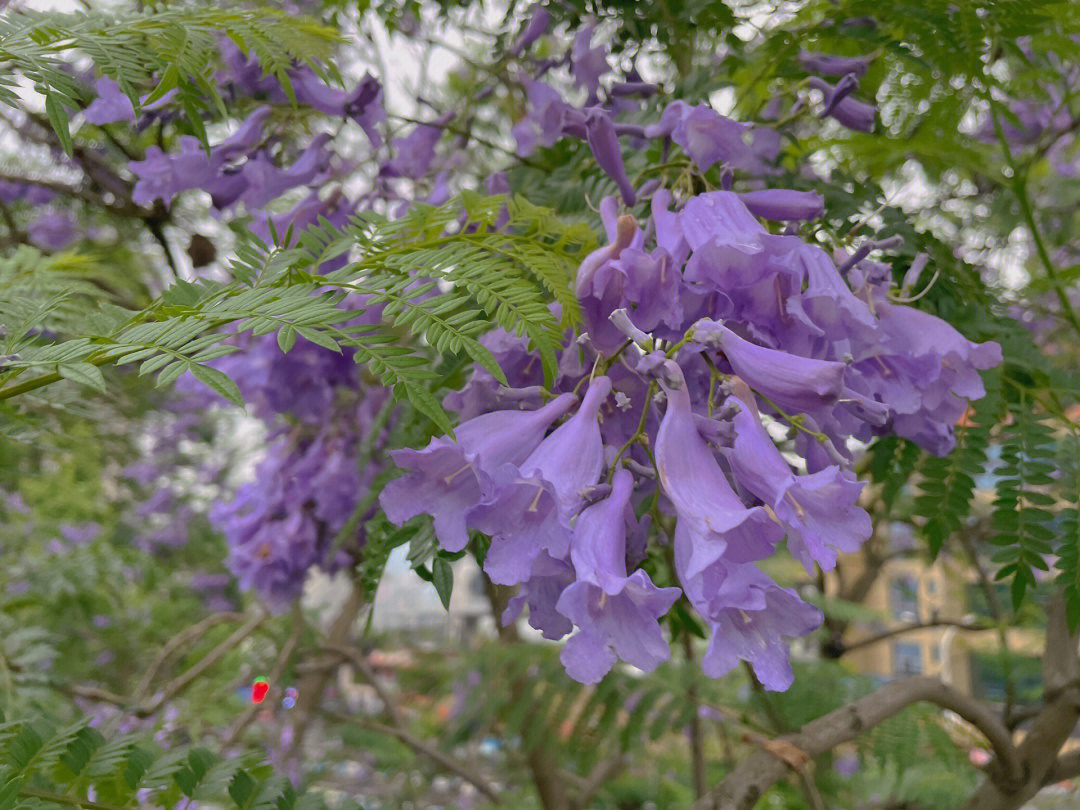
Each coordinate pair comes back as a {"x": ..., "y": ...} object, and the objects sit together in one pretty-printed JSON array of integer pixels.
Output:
[
  {"x": 702, "y": 326},
  {"x": 320, "y": 412},
  {"x": 649, "y": 470}
]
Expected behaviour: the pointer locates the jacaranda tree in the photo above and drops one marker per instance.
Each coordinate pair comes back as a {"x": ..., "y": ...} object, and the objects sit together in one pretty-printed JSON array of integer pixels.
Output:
[{"x": 654, "y": 310}]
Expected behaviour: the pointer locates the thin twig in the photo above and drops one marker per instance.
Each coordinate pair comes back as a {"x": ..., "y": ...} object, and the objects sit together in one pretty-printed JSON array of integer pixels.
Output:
[
  {"x": 186, "y": 636},
  {"x": 1019, "y": 186},
  {"x": 185, "y": 679},
  {"x": 396, "y": 725},
  {"x": 908, "y": 628},
  {"x": 697, "y": 742}
]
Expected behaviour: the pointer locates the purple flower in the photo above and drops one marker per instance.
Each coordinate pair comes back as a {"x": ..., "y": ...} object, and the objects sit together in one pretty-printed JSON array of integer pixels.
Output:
[
  {"x": 163, "y": 176},
  {"x": 534, "y": 29},
  {"x": 711, "y": 520},
  {"x": 847, "y": 766},
  {"x": 528, "y": 508},
  {"x": 268, "y": 554},
  {"x": 668, "y": 224},
  {"x": 707, "y": 137},
  {"x": 794, "y": 383},
  {"x": 643, "y": 89},
  {"x": 604, "y": 144},
  {"x": 616, "y": 614},
  {"x": 840, "y": 106},
  {"x": 829, "y": 65},
  {"x": 17, "y": 587},
  {"x": 547, "y": 119},
  {"x": 52, "y": 230},
  {"x": 547, "y": 579},
  {"x": 363, "y": 104},
  {"x": 244, "y": 71},
  {"x": 914, "y": 272},
  {"x": 820, "y": 511},
  {"x": 415, "y": 152},
  {"x": 925, "y": 370},
  {"x": 757, "y": 628},
  {"x": 722, "y": 217},
  {"x": 783, "y": 204},
  {"x": 81, "y": 534},
  {"x": 110, "y": 106},
  {"x": 448, "y": 475},
  {"x": 828, "y": 301},
  {"x": 266, "y": 182},
  {"x": 621, "y": 275},
  {"x": 588, "y": 64}
]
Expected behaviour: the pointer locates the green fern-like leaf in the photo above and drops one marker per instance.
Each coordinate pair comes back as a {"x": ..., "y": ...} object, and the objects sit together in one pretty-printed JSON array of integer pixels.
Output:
[
  {"x": 172, "y": 48},
  {"x": 947, "y": 485},
  {"x": 1022, "y": 515},
  {"x": 60, "y": 767},
  {"x": 425, "y": 285}
]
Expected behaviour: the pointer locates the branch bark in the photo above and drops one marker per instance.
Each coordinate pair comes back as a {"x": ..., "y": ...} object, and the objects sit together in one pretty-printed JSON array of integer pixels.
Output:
[
  {"x": 697, "y": 740},
  {"x": 741, "y": 789},
  {"x": 1051, "y": 726},
  {"x": 314, "y": 683},
  {"x": 544, "y": 769}
]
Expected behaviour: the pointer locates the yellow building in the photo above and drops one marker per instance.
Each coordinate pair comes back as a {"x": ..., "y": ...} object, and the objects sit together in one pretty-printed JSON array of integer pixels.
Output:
[{"x": 943, "y": 601}]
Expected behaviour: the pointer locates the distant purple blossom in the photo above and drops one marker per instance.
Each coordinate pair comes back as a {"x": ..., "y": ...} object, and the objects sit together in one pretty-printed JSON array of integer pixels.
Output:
[{"x": 110, "y": 106}]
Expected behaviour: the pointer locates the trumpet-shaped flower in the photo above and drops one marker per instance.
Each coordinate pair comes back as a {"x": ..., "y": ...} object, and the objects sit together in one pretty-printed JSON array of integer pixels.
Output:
[
  {"x": 616, "y": 614},
  {"x": 528, "y": 506},
  {"x": 447, "y": 476},
  {"x": 792, "y": 382},
  {"x": 711, "y": 521},
  {"x": 820, "y": 511}
]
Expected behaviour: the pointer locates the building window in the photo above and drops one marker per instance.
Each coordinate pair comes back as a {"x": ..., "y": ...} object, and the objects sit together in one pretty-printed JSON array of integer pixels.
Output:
[
  {"x": 907, "y": 659},
  {"x": 904, "y": 599},
  {"x": 990, "y": 672}
]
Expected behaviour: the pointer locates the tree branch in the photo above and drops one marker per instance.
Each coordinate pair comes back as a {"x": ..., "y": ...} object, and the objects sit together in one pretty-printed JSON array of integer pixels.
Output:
[
  {"x": 188, "y": 635},
  {"x": 445, "y": 760},
  {"x": 994, "y": 605},
  {"x": 845, "y": 648},
  {"x": 603, "y": 770},
  {"x": 741, "y": 789},
  {"x": 1051, "y": 727},
  {"x": 397, "y": 728},
  {"x": 313, "y": 685},
  {"x": 1066, "y": 767},
  {"x": 697, "y": 742},
  {"x": 184, "y": 680}
]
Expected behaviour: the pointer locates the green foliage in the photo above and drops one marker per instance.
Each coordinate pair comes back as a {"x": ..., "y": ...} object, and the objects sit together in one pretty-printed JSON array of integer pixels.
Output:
[
  {"x": 947, "y": 484},
  {"x": 44, "y": 766},
  {"x": 423, "y": 292},
  {"x": 892, "y": 461},
  {"x": 1022, "y": 511},
  {"x": 175, "y": 48}
]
